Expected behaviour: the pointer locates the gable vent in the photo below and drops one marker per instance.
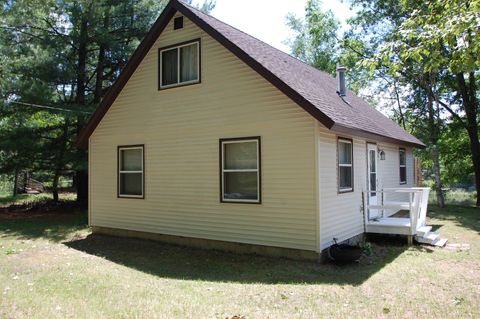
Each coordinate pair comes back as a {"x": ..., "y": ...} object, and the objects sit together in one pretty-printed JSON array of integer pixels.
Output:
[{"x": 178, "y": 23}]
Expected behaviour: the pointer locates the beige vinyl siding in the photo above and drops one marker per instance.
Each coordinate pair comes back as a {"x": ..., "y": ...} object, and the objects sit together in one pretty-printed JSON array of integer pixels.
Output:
[
  {"x": 390, "y": 167},
  {"x": 390, "y": 171},
  {"x": 341, "y": 214},
  {"x": 181, "y": 127}
]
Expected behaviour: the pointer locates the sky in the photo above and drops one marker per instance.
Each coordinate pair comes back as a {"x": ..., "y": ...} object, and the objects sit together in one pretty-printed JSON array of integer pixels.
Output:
[{"x": 267, "y": 21}]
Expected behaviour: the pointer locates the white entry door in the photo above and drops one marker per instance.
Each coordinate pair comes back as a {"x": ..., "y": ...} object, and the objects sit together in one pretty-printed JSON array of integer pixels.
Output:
[{"x": 372, "y": 179}]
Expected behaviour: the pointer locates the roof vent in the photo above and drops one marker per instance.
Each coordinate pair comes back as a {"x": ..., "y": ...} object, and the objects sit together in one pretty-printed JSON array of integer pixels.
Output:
[
  {"x": 178, "y": 23},
  {"x": 342, "y": 89}
]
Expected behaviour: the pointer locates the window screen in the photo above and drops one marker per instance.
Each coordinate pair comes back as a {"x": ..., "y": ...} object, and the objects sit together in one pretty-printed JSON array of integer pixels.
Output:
[
  {"x": 240, "y": 170},
  {"x": 345, "y": 165},
  {"x": 130, "y": 173}
]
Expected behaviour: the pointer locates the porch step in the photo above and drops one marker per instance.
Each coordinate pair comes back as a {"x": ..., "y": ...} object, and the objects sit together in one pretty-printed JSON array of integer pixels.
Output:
[
  {"x": 428, "y": 238},
  {"x": 440, "y": 242},
  {"x": 423, "y": 230},
  {"x": 431, "y": 238}
]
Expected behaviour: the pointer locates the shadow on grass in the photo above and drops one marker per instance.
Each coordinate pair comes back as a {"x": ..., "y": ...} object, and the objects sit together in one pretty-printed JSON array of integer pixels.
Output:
[
  {"x": 177, "y": 262},
  {"x": 435, "y": 227},
  {"x": 465, "y": 216},
  {"x": 54, "y": 227}
]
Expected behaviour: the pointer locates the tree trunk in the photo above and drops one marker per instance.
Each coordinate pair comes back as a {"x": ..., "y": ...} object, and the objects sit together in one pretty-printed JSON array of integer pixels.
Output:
[
  {"x": 81, "y": 177},
  {"x": 60, "y": 159},
  {"x": 56, "y": 176},
  {"x": 82, "y": 191},
  {"x": 397, "y": 98},
  {"x": 82, "y": 61},
  {"x": 470, "y": 104},
  {"x": 438, "y": 181},
  {"x": 474, "y": 148},
  {"x": 15, "y": 182},
  {"x": 97, "y": 95},
  {"x": 433, "y": 131}
]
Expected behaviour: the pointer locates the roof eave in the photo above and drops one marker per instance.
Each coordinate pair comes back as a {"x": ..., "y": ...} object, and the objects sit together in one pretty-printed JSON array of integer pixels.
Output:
[
  {"x": 149, "y": 40},
  {"x": 152, "y": 36},
  {"x": 375, "y": 137}
]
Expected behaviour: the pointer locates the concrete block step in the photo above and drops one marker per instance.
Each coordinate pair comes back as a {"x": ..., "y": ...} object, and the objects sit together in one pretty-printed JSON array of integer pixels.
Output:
[
  {"x": 423, "y": 230},
  {"x": 427, "y": 238},
  {"x": 440, "y": 242}
]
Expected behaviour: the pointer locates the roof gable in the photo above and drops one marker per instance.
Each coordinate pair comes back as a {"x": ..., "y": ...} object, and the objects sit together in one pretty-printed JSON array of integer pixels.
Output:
[{"x": 311, "y": 89}]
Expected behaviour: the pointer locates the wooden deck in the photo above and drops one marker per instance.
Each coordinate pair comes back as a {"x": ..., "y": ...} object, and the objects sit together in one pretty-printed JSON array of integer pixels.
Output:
[
  {"x": 400, "y": 211},
  {"x": 402, "y": 217},
  {"x": 390, "y": 225}
]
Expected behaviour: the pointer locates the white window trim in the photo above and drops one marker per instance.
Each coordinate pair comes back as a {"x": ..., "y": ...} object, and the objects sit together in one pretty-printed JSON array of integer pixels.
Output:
[
  {"x": 197, "y": 80},
  {"x": 120, "y": 172},
  {"x": 344, "y": 189},
  {"x": 257, "y": 170},
  {"x": 402, "y": 165}
]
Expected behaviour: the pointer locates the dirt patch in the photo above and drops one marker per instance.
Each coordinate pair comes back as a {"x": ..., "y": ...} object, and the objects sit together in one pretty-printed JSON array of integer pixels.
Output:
[
  {"x": 49, "y": 209},
  {"x": 31, "y": 215},
  {"x": 49, "y": 214}
]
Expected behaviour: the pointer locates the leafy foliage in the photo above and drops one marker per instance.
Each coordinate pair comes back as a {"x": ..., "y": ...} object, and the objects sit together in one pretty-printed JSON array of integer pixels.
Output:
[
  {"x": 315, "y": 41},
  {"x": 55, "y": 67},
  {"x": 318, "y": 42},
  {"x": 422, "y": 62}
]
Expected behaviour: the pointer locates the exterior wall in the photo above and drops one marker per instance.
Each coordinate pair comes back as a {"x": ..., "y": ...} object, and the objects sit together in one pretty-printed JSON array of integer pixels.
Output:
[
  {"x": 181, "y": 128},
  {"x": 341, "y": 214},
  {"x": 389, "y": 168}
]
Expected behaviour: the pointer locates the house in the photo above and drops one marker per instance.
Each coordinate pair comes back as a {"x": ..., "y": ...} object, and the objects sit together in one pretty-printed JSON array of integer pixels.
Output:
[{"x": 212, "y": 138}]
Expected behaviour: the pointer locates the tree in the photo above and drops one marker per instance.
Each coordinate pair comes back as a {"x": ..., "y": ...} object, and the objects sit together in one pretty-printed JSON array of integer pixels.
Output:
[
  {"x": 318, "y": 42},
  {"x": 389, "y": 46},
  {"x": 438, "y": 41},
  {"x": 65, "y": 55},
  {"x": 315, "y": 40}
]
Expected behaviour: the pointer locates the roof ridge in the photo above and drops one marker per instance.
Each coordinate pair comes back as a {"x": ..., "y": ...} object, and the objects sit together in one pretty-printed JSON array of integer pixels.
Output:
[{"x": 310, "y": 88}]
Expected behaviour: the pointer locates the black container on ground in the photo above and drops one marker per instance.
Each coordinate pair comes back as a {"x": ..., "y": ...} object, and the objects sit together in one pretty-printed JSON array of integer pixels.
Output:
[{"x": 344, "y": 254}]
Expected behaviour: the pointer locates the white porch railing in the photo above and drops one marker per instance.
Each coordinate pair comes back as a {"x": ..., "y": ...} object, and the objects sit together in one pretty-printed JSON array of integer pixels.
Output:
[{"x": 415, "y": 201}]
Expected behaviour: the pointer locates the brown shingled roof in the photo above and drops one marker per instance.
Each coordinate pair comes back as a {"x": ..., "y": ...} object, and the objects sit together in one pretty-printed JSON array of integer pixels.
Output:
[{"x": 312, "y": 89}]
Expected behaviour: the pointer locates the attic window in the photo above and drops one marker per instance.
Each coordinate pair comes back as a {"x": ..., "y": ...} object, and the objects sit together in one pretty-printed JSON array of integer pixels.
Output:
[
  {"x": 178, "y": 23},
  {"x": 179, "y": 64}
]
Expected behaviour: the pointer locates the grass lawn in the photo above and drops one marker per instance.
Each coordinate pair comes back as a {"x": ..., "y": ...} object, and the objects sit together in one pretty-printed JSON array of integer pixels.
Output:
[
  {"x": 52, "y": 267},
  {"x": 455, "y": 197}
]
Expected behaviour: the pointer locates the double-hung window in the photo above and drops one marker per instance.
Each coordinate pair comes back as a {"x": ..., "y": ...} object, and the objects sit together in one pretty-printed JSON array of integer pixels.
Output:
[
  {"x": 403, "y": 165},
  {"x": 131, "y": 171},
  {"x": 179, "y": 64},
  {"x": 240, "y": 170},
  {"x": 345, "y": 165}
]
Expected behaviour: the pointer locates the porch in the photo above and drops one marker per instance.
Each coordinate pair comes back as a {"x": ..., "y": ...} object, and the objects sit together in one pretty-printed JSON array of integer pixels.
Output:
[{"x": 400, "y": 211}]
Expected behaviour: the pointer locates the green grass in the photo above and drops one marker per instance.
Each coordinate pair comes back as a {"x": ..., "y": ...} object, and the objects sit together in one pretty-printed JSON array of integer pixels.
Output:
[
  {"x": 54, "y": 268},
  {"x": 455, "y": 197},
  {"x": 20, "y": 199}
]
